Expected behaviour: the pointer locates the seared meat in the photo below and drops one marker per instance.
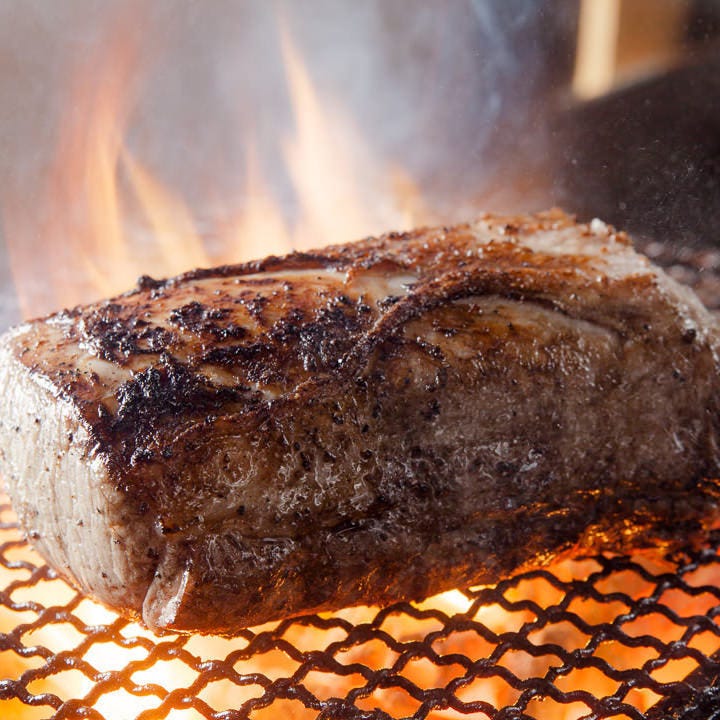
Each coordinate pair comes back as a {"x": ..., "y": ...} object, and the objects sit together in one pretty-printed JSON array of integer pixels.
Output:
[{"x": 363, "y": 424}]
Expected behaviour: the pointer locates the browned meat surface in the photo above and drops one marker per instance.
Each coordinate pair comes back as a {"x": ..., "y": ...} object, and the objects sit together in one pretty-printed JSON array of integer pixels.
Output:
[{"x": 364, "y": 423}]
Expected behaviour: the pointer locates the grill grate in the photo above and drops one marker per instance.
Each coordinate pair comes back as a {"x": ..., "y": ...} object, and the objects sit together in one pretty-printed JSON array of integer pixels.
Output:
[{"x": 606, "y": 637}]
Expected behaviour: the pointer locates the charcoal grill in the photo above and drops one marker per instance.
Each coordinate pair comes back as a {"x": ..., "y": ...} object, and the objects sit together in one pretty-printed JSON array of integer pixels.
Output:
[{"x": 602, "y": 637}]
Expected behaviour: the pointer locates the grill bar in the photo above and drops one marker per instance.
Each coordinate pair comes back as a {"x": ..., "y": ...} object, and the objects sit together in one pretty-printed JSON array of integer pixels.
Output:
[{"x": 699, "y": 699}]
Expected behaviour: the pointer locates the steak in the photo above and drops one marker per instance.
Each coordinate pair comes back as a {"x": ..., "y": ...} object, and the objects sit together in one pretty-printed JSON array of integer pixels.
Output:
[{"x": 363, "y": 424}]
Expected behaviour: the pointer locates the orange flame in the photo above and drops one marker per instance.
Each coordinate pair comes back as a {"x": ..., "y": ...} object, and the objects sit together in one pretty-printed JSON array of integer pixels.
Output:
[{"x": 106, "y": 218}]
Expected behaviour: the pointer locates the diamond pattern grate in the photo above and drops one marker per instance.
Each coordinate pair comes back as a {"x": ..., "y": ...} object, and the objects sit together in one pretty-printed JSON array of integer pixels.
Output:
[{"x": 605, "y": 637}]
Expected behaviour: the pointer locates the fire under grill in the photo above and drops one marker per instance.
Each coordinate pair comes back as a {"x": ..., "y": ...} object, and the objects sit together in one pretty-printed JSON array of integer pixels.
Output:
[{"x": 602, "y": 637}]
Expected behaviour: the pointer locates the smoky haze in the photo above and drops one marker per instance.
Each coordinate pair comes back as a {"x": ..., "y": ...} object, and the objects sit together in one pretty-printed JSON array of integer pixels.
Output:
[{"x": 455, "y": 93}]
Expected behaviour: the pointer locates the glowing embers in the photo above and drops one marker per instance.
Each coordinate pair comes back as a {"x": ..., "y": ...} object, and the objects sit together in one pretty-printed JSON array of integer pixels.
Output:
[{"x": 610, "y": 636}]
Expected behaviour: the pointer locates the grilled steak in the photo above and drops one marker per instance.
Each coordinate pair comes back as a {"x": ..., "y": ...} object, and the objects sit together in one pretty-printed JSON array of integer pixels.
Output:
[{"x": 363, "y": 424}]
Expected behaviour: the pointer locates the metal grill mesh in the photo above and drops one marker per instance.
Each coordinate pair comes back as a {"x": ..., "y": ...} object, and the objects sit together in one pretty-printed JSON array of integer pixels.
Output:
[{"x": 594, "y": 638}]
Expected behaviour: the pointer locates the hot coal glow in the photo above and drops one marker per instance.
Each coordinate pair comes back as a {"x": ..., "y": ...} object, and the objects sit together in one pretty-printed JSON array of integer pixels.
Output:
[{"x": 592, "y": 629}]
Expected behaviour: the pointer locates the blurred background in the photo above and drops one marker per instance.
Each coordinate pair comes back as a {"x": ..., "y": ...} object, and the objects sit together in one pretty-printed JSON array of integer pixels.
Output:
[{"x": 149, "y": 138}]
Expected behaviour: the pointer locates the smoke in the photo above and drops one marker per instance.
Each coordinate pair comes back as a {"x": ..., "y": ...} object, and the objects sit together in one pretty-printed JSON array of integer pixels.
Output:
[{"x": 456, "y": 93}]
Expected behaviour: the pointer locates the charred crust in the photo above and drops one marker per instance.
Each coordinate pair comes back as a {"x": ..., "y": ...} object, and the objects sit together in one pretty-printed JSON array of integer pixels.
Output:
[
  {"x": 165, "y": 389},
  {"x": 194, "y": 316},
  {"x": 206, "y": 322},
  {"x": 145, "y": 282},
  {"x": 153, "y": 399},
  {"x": 689, "y": 334},
  {"x": 114, "y": 335},
  {"x": 292, "y": 343},
  {"x": 388, "y": 301},
  {"x": 317, "y": 343}
]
